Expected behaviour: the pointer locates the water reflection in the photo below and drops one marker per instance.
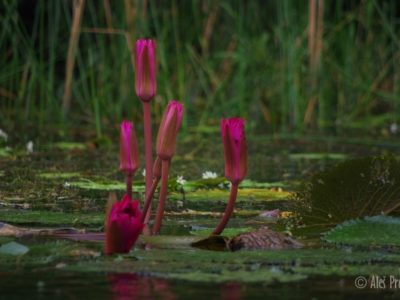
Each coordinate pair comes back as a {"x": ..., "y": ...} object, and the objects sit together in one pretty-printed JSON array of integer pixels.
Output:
[
  {"x": 127, "y": 286},
  {"x": 231, "y": 291},
  {"x": 65, "y": 285}
]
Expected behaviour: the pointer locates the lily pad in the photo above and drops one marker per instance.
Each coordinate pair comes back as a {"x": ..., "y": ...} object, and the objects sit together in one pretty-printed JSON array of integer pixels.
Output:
[
  {"x": 228, "y": 232},
  {"x": 4, "y": 152},
  {"x": 367, "y": 232},
  {"x": 50, "y": 218},
  {"x": 244, "y": 195},
  {"x": 13, "y": 248},
  {"x": 92, "y": 185},
  {"x": 248, "y": 183},
  {"x": 270, "y": 275},
  {"x": 208, "y": 183},
  {"x": 59, "y": 175},
  {"x": 318, "y": 156},
  {"x": 69, "y": 146}
]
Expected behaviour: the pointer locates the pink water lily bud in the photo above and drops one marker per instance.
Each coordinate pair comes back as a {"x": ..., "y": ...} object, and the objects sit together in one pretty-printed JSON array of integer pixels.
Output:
[
  {"x": 145, "y": 69},
  {"x": 235, "y": 149},
  {"x": 123, "y": 226},
  {"x": 128, "y": 149},
  {"x": 168, "y": 131}
]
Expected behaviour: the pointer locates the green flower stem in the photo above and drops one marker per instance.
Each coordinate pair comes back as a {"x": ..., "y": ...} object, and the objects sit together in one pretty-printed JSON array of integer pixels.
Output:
[
  {"x": 129, "y": 185},
  {"x": 163, "y": 196},
  {"x": 149, "y": 198},
  {"x": 148, "y": 152}
]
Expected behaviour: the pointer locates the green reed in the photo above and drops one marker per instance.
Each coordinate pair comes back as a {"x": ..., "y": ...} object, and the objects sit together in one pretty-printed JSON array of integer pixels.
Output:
[{"x": 223, "y": 58}]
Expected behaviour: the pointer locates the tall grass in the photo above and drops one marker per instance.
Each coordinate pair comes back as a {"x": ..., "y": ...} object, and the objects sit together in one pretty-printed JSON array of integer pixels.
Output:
[{"x": 286, "y": 66}]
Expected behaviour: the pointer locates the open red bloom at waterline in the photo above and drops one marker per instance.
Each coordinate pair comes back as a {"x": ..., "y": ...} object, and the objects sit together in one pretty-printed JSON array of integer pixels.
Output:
[
  {"x": 123, "y": 226},
  {"x": 235, "y": 149},
  {"x": 145, "y": 69}
]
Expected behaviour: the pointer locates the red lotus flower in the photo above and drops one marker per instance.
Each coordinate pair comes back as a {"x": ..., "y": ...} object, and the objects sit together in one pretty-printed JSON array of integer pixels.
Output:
[
  {"x": 123, "y": 226},
  {"x": 170, "y": 123},
  {"x": 128, "y": 150},
  {"x": 145, "y": 69},
  {"x": 235, "y": 149}
]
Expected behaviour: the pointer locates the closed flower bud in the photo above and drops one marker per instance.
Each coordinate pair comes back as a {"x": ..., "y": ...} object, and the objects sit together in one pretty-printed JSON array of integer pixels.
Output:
[
  {"x": 145, "y": 69},
  {"x": 235, "y": 149},
  {"x": 167, "y": 133},
  {"x": 128, "y": 149}
]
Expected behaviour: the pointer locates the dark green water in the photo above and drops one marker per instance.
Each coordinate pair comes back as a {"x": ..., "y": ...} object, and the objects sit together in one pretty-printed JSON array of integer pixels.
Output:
[{"x": 63, "y": 285}]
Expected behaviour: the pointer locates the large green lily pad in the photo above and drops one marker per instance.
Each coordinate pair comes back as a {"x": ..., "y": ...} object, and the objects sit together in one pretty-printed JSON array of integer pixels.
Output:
[{"x": 367, "y": 232}]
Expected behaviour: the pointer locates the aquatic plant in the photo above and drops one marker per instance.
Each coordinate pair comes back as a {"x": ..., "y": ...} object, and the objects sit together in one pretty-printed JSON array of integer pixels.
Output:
[
  {"x": 233, "y": 137},
  {"x": 235, "y": 153},
  {"x": 166, "y": 146},
  {"x": 129, "y": 153},
  {"x": 352, "y": 189},
  {"x": 124, "y": 219},
  {"x": 146, "y": 87},
  {"x": 123, "y": 225},
  {"x": 149, "y": 194},
  {"x": 368, "y": 232},
  {"x": 145, "y": 68}
]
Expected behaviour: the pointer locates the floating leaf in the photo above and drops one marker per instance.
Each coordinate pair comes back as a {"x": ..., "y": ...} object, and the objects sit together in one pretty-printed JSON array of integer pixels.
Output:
[
  {"x": 58, "y": 175},
  {"x": 247, "y": 183},
  {"x": 318, "y": 156},
  {"x": 87, "y": 184},
  {"x": 228, "y": 232},
  {"x": 350, "y": 190},
  {"x": 69, "y": 146},
  {"x": 213, "y": 242},
  {"x": 370, "y": 231},
  {"x": 13, "y": 248}
]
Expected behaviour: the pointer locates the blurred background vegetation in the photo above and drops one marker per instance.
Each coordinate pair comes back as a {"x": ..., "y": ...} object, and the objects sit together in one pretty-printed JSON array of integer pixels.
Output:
[{"x": 288, "y": 67}]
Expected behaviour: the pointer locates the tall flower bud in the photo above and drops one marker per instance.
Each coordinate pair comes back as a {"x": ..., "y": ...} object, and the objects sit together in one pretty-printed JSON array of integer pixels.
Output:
[
  {"x": 167, "y": 133},
  {"x": 145, "y": 69},
  {"x": 235, "y": 149},
  {"x": 128, "y": 149}
]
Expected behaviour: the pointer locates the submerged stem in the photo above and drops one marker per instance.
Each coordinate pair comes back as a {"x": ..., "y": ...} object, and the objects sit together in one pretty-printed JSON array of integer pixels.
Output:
[
  {"x": 148, "y": 151},
  {"x": 129, "y": 185},
  {"x": 228, "y": 210},
  {"x": 163, "y": 196},
  {"x": 149, "y": 198}
]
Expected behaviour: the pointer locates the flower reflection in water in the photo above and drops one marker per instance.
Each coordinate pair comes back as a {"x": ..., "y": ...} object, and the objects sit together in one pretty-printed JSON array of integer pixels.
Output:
[
  {"x": 128, "y": 286},
  {"x": 231, "y": 291}
]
